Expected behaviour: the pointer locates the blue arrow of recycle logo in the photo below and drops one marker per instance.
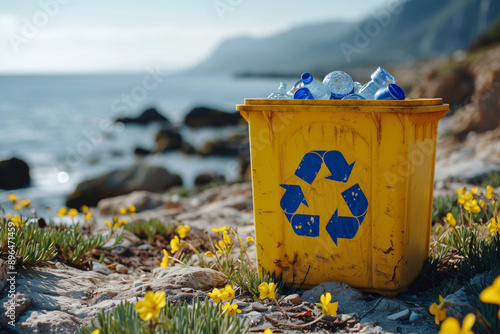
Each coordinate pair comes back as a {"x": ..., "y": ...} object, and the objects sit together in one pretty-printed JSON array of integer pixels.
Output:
[{"x": 340, "y": 170}]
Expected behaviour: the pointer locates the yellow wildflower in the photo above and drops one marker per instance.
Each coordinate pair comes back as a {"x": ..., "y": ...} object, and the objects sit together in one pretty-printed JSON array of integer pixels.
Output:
[
  {"x": 72, "y": 212},
  {"x": 249, "y": 239},
  {"x": 227, "y": 293},
  {"x": 215, "y": 295},
  {"x": 481, "y": 203},
  {"x": 267, "y": 290},
  {"x": 16, "y": 220},
  {"x": 452, "y": 326},
  {"x": 460, "y": 191},
  {"x": 123, "y": 211},
  {"x": 8, "y": 215},
  {"x": 222, "y": 229},
  {"x": 267, "y": 331},
  {"x": 12, "y": 198},
  {"x": 221, "y": 247},
  {"x": 183, "y": 230},
  {"x": 120, "y": 222},
  {"x": 230, "y": 309},
  {"x": 95, "y": 331},
  {"x": 108, "y": 223},
  {"x": 450, "y": 219},
  {"x": 165, "y": 260},
  {"x": 474, "y": 190},
  {"x": 16, "y": 207},
  {"x": 489, "y": 192},
  {"x": 491, "y": 295},
  {"x": 62, "y": 212},
  {"x": 84, "y": 209},
  {"x": 88, "y": 215},
  {"x": 437, "y": 310},
  {"x": 227, "y": 239},
  {"x": 209, "y": 254},
  {"x": 131, "y": 208},
  {"x": 493, "y": 226},
  {"x": 326, "y": 306},
  {"x": 175, "y": 244},
  {"x": 25, "y": 203},
  {"x": 151, "y": 306}
]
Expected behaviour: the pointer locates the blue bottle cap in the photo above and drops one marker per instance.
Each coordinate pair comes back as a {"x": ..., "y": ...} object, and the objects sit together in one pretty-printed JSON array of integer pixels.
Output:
[
  {"x": 353, "y": 97},
  {"x": 339, "y": 83},
  {"x": 391, "y": 92},
  {"x": 382, "y": 78},
  {"x": 303, "y": 94},
  {"x": 307, "y": 78}
]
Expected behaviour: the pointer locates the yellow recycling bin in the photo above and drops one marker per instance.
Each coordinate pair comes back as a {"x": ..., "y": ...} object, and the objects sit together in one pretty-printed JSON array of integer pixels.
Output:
[{"x": 343, "y": 189}]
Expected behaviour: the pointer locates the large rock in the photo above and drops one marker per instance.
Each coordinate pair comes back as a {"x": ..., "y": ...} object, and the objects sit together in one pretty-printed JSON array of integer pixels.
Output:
[
  {"x": 142, "y": 200},
  {"x": 232, "y": 146},
  {"x": 168, "y": 139},
  {"x": 148, "y": 116},
  {"x": 11, "y": 308},
  {"x": 43, "y": 322},
  {"x": 14, "y": 174},
  {"x": 201, "y": 116},
  {"x": 187, "y": 277},
  {"x": 120, "y": 182}
]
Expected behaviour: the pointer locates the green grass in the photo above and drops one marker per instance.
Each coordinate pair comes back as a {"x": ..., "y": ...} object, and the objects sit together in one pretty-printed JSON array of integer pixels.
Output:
[
  {"x": 200, "y": 317},
  {"x": 149, "y": 229}
]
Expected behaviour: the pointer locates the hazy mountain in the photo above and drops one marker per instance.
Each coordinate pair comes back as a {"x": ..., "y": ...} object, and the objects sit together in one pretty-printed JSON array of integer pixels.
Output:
[{"x": 415, "y": 29}]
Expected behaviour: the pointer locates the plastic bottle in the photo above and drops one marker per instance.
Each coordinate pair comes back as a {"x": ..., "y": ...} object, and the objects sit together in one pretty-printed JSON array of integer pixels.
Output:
[
  {"x": 280, "y": 94},
  {"x": 298, "y": 84},
  {"x": 317, "y": 89},
  {"x": 353, "y": 97},
  {"x": 339, "y": 83},
  {"x": 391, "y": 92},
  {"x": 303, "y": 94},
  {"x": 357, "y": 87},
  {"x": 380, "y": 79}
]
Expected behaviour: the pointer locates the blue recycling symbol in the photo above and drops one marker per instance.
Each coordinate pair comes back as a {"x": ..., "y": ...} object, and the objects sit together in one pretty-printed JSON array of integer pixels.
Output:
[{"x": 340, "y": 170}]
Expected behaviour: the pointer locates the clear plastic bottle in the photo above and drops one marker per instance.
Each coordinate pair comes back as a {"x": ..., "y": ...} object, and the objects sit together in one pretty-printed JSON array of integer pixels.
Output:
[
  {"x": 280, "y": 94},
  {"x": 357, "y": 87},
  {"x": 298, "y": 84},
  {"x": 380, "y": 79},
  {"x": 353, "y": 97},
  {"x": 317, "y": 89},
  {"x": 339, "y": 83}
]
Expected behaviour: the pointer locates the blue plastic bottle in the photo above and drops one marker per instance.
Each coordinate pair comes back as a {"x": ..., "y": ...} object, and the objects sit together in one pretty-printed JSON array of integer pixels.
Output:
[
  {"x": 357, "y": 87},
  {"x": 380, "y": 79},
  {"x": 303, "y": 94},
  {"x": 391, "y": 92},
  {"x": 280, "y": 94},
  {"x": 339, "y": 83},
  {"x": 317, "y": 89},
  {"x": 298, "y": 84}
]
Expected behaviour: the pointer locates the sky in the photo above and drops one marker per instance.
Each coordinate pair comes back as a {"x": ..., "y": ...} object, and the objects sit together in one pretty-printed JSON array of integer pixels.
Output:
[{"x": 91, "y": 36}]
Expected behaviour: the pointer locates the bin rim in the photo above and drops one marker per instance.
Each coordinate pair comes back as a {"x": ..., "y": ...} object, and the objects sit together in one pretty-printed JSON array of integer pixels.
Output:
[{"x": 359, "y": 103}]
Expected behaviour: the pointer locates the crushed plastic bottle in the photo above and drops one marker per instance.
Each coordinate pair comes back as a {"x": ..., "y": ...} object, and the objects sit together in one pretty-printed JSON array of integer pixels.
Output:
[
  {"x": 339, "y": 83},
  {"x": 280, "y": 94},
  {"x": 391, "y": 92},
  {"x": 353, "y": 97},
  {"x": 380, "y": 79},
  {"x": 317, "y": 89}
]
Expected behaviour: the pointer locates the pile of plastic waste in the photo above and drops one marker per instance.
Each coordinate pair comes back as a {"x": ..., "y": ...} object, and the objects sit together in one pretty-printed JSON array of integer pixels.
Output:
[{"x": 339, "y": 85}]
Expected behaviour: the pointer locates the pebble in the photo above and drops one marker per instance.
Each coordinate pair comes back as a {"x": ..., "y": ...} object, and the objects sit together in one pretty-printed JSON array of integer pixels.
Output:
[
  {"x": 259, "y": 307},
  {"x": 400, "y": 315},
  {"x": 414, "y": 316},
  {"x": 240, "y": 304},
  {"x": 144, "y": 247},
  {"x": 100, "y": 268},
  {"x": 293, "y": 299},
  {"x": 253, "y": 318},
  {"x": 120, "y": 268}
]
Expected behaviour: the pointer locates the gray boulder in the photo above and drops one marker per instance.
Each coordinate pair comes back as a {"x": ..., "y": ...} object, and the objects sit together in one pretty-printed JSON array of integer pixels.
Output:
[{"x": 121, "y": 182}]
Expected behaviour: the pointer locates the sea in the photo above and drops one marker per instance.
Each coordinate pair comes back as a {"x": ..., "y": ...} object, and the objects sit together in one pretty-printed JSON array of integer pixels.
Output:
[{"x": 63, "y": 125}]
